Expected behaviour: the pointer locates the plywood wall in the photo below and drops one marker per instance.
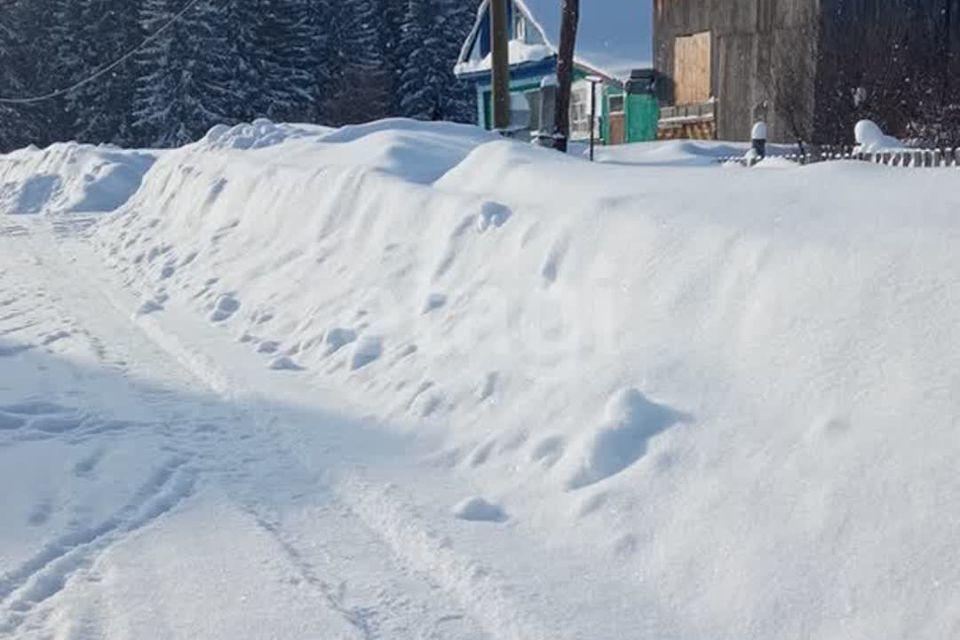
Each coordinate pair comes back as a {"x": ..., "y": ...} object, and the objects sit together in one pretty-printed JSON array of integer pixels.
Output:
[{"x": 692, "y": 65}]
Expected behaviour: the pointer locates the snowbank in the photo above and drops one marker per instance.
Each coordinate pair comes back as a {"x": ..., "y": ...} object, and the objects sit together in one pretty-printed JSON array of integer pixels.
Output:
[
  {"x": 70, "y": 178},
  {"x": 871, "y": 138},
  {"x": 257, "y": 135},
  {"x": 680, "y": 153},
  {"x": 734, "y": 391}
]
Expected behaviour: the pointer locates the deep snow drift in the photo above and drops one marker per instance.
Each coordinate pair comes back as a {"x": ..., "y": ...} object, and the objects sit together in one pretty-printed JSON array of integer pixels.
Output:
[{"x": 730, "y": 393}]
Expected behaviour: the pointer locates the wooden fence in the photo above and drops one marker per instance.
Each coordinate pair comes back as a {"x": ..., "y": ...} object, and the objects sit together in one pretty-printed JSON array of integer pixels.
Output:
[{"x": 915, "y": 158}]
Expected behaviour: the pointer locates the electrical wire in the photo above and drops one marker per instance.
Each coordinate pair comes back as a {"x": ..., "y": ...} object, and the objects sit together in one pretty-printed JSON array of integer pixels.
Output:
[{"x": 106, "y": 69}]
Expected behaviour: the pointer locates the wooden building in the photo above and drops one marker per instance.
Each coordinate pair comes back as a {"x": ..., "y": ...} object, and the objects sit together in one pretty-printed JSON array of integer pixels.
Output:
[{"x": 809, "y": 68}]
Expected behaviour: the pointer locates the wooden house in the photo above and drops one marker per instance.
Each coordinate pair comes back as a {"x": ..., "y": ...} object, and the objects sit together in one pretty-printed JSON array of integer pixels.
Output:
[
  {"x": 809, "y": 68},
  {"x": 613, "y": 43}
]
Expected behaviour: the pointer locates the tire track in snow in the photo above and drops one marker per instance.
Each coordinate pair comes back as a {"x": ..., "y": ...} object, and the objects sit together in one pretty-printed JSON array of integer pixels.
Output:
[
  {"x": 363, "y": 619},
  {"x": 48, "y": 571}
]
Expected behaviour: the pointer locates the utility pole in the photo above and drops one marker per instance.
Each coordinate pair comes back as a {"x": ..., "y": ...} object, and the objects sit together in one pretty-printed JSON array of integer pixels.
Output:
[
  {"x": 565, "y": 58},
  {"x": 500, "y": 55}
]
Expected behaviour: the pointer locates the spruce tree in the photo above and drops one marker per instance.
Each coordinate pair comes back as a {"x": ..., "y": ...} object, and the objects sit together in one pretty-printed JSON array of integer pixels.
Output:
[
  {"x": 421, "y": 76},
  {"x": 185, "y": 82},
  {"x": 355, "y": 87},
  {"x": 27, "y": 69},
  {"x": 285, "y": 60},
  {"x": 390, "y": 30},
  {"x": 459, "y": 102},
  {"x": 432, "y": 36},
  {"x": 91, "y": 34}
]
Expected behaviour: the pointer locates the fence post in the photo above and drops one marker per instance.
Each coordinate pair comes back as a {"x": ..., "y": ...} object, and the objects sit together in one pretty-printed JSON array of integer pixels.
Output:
[{"x": 758, "y": 141}]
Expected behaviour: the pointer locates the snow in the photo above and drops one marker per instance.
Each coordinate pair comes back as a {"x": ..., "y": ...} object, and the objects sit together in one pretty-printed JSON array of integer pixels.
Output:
[
  {"x": 70, "y": 178},
  {"x": 519, "y": 53},
  {"x": 411, "y": 380},
  {"x": 479, "y": 510},
  {"x": 871, "y": 138},
  {"x": 630, "y": 421},
  {"x": 259, "y": 134}
]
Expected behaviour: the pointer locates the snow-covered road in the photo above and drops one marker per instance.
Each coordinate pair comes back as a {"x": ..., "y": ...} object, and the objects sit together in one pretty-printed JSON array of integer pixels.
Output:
[{"x": 151, "y": 505}]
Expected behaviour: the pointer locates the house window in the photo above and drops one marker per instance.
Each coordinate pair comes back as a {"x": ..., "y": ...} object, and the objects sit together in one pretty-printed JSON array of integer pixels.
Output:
[
  {"x": 520, "y": 111},
  {"x": 580, "y": 113},
  {"x": 617, "y": 104}
]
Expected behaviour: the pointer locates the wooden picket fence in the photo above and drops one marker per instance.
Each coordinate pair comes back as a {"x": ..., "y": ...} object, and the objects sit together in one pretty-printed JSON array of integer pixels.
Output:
[{"x": 914, "y": 158}]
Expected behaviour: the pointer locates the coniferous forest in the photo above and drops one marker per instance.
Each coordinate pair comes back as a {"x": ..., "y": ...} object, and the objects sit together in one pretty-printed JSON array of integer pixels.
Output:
[{"x": 226, "y": 61}]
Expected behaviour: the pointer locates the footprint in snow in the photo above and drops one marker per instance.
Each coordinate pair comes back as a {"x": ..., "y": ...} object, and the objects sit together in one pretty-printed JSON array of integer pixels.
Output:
[
  {"x": 285, "y": 363},
  {"x": 434, "y": 302},
  {"x": 268, "y": 347},
  {"x": 492, "y": 214},
  {"x": 337, "y": 338},
  {"x": 148, "y": 307},
  {"x": 550, "y": 270},
  {"x": 224, "y": 308},
  {"x": 55, "y": 337}
]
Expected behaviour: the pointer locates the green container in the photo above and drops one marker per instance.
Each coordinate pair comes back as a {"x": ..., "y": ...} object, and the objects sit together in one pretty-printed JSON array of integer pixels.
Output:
[{"x": 642, "y": 112}]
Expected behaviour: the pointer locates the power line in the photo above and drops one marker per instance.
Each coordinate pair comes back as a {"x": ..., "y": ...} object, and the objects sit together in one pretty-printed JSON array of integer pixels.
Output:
[{"x": 110, "y": 67}]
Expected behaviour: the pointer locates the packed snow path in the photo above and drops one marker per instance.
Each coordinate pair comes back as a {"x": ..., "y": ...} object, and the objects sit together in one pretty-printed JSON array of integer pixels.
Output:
[{"x": 160, "y": 509}]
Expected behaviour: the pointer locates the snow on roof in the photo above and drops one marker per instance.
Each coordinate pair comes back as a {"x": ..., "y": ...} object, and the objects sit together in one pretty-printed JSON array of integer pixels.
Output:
[
  {"x": 614, "y": 36},
  {"x": 520, "y": 52}
]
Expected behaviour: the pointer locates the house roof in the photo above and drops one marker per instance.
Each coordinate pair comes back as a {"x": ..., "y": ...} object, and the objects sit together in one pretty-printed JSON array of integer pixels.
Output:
[{"x": 614, "y": 36}]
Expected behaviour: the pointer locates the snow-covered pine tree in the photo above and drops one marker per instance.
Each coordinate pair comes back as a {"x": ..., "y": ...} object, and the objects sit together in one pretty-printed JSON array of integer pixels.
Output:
[
  {"x": 284, "y": 66},
  {"x": 329, "y": 61},
  {"x": 420, "y": 44},
  {"x": 432, "y": 35},
  {"x": 27, "y": 69},
  {"x": 241, "y": 21},
  {"x": 459, "y": 99},
  {"x": 11, "y": 117},
  {"x": 356, "y": 87},
  {"x": 185, "y": 79},
  {"x": 390, "y": 29},
  {"x": 90, "y": 34}
]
